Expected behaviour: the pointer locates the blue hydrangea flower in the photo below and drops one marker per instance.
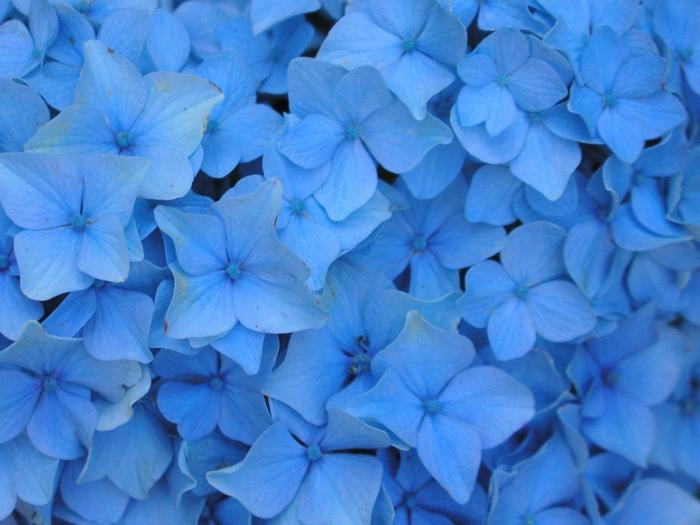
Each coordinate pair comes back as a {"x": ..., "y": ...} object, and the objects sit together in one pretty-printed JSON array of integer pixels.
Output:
[
  {"x": 526, "y": 295},
  {"x": 232, "y": 270},
  {"x": 292, "y": 471},
  {"x": 621, "y": 96},
  {"x": 414, "y": 44},
  {"x": 160, "y": 117},
  {"x": 433, "y": 239},
  {"x": 238, "y": 130},
  {"x": 205, "y": 391},
  {"x": 574, "y": 21},
  {"x": 685, "y": 195},
  {"x": 303, "y": 225},
  {"x": 641, "y": 222},
  {"x": 268, "y": 54},
  {"x": 507, "y": 112},
  {"x": 73, "y": 212},
  {"x": 329, "y": 366},
  {"x": 108, "y": 312},
  {"x": 619, "y": 377},
  {"x": 431, "y": 399},
  {"x": 340, "y": 117},
  {"x": 50, "y": 386}
]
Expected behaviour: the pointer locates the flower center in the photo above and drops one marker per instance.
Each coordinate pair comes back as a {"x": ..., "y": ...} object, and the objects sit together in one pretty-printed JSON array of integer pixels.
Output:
[
  {"x": 125, "y": 140},
  {"x": 420, "y": 243},
  {"x": 502, "y": 80},
  {"x": 431, "y": 405},
  {"x": 313, "y": 452},
  {"x": 216, "y": 383},
  {"x": 521, "y": 291},
  {"x": 410, "y": 501},
  {"x": 49, "y": 384},
  {"x": 233, "y": 271},
  {"x": 535, "y": 118},
  {"x": 360, "y": 363},
  {"x": 4, "y": 263},
  {"x": 79, "y": 221},
  {"x": 352, "y": 132},
  {"x": 529, "y": 520},
  {"x": 408, "y": 45},
  {"x": 610, "y": 377},
  {"x": 609, "y": 100},
  {"x": 82, "y": 6},
  {"x": 298, "y": 207}
]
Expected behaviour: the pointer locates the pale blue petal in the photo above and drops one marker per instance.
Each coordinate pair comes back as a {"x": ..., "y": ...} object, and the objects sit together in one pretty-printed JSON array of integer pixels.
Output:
[
  {"x": 511, "y": 330},
  {"x": 268, "y": 479},
  {"x": 398, "y": 141},
  {"x": 450, "y": 449}
]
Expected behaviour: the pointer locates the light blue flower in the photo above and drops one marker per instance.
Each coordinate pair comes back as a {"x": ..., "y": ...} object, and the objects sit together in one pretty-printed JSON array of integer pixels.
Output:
[
  {"x": 431, "y": 399},
  {"x": 351, "y": 121},
  {"x": 73, "y": 213},
  {"x": 621, "y": 96},
  {"x": 414, "y": 44},
  {"x": 526, "y": 294},
  {"x": 50, "y": 387},
  {"x": 161, "y": 117}
]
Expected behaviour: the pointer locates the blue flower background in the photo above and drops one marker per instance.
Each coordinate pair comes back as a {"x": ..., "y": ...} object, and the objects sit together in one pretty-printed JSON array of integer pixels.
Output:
[{"x": 350, "y": 262}]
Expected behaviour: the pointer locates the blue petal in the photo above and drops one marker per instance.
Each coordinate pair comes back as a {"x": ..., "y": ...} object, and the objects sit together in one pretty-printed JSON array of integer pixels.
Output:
[
  {"x": 340, "y": 488},
  {"x": 168, "y": 42},
  {"x": 268, "y": 479},
  {"x": 451, "y": 451}
]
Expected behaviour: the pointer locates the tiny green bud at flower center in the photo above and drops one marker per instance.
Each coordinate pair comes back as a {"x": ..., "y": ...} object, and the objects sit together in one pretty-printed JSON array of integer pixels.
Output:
[
  {"x": 313, "y": 452},
  {"x": 233, "y": 271}
]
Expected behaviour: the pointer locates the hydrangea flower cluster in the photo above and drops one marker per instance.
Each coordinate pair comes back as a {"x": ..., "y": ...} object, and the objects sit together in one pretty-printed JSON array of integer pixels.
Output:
[{"x": 350, "y": 262}]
